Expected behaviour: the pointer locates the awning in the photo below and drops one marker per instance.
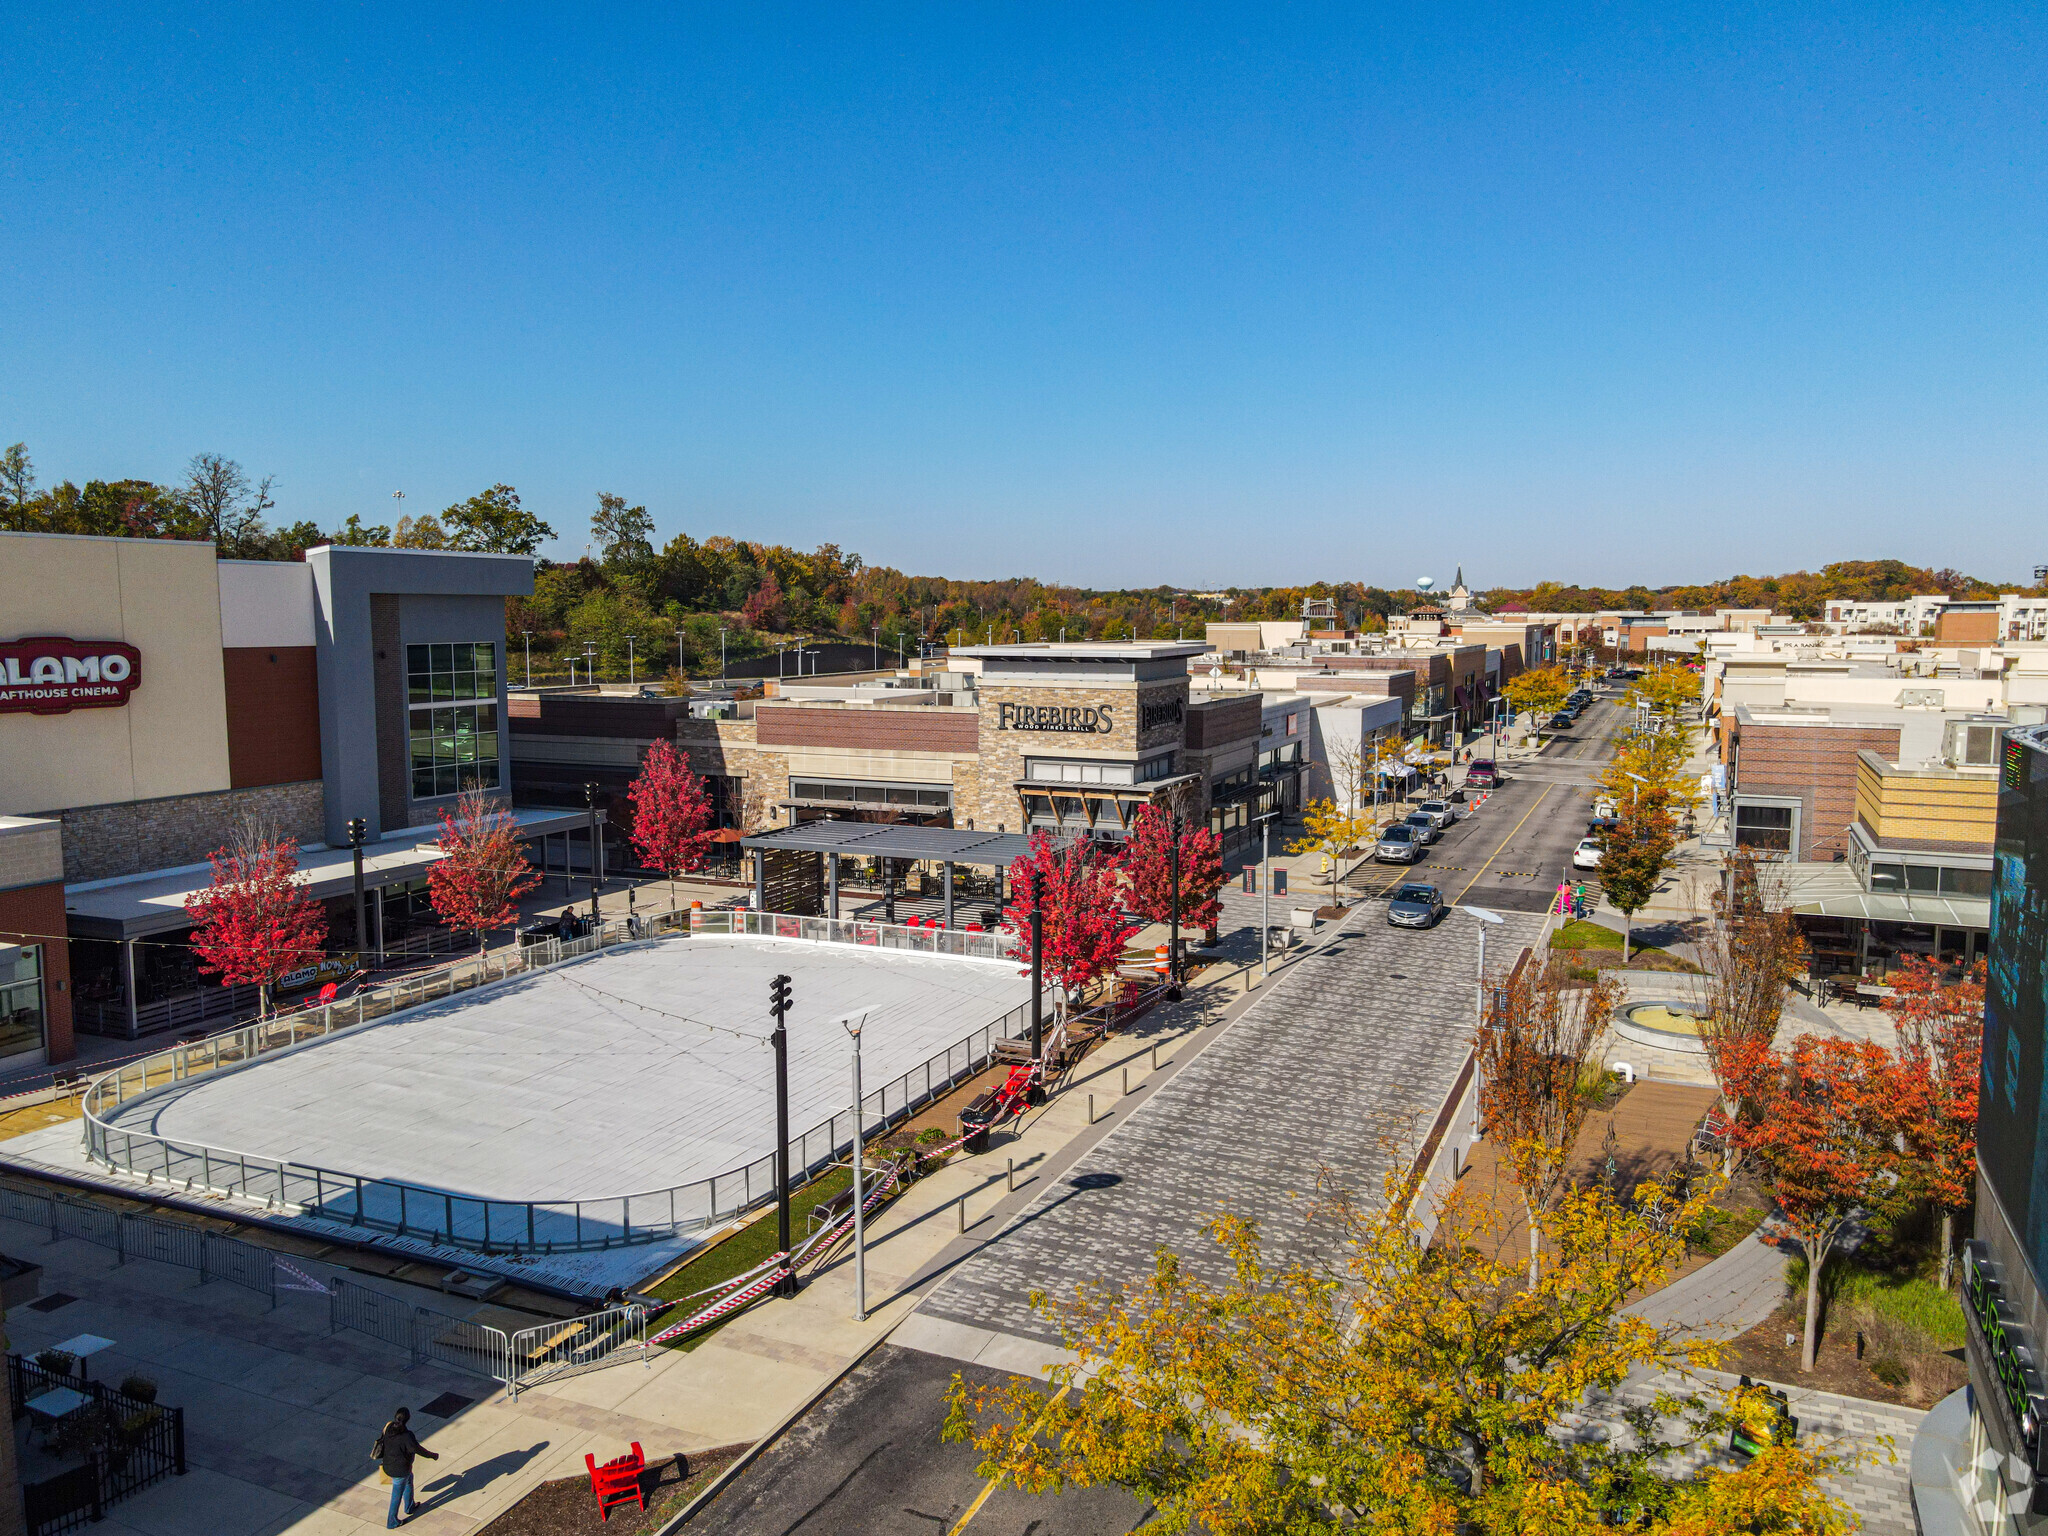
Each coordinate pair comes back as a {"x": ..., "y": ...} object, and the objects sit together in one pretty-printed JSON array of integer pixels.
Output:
[
  {"x": 154, "y": 902},
  {"x": 882, "y": 840},
  {"x": 1832, "y": 890}
]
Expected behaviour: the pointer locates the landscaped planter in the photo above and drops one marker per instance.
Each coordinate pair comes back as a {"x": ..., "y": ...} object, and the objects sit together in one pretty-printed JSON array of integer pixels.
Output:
[{"x": 1662, "y": 1025}]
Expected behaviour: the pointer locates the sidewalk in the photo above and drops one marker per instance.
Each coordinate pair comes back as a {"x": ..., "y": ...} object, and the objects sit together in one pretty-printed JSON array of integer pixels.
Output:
[{"x": 279, "y": 1414}]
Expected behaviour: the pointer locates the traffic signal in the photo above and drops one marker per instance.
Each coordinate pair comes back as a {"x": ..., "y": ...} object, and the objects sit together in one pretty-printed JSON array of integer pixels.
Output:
[
  {"x": 358, "y": 832},
  {"x": 778, "y": 996}
]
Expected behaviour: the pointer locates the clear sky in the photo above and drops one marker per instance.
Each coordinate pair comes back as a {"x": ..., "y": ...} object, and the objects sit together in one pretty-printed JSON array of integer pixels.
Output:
[{"x": 1109, "y": 294}]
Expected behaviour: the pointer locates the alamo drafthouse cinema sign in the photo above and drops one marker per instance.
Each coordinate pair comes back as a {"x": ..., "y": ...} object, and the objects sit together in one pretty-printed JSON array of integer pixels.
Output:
[{"x": 53, "y": 675}]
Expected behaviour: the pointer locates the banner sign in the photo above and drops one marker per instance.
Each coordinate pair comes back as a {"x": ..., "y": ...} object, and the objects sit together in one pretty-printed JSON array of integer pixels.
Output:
[{"x": 53, "y": 675}]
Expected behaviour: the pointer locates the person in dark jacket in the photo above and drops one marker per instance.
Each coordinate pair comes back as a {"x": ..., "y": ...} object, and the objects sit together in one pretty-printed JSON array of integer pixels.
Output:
[{"x": 394, "y": 1451}]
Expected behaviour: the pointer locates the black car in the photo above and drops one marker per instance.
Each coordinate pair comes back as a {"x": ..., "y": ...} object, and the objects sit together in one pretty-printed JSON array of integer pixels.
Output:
[
  {"x": 1562, "y": 721},
  {"x": 1416, "y": 906}
]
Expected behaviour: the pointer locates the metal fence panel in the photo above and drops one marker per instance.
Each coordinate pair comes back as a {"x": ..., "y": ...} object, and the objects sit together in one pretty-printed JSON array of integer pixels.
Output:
[
  {"x": 372, "y": 1312},
  {"x": 35, "y": 1210},
  {"x": 93, "y": 1223},
  {"x": 455, "y": 1341},
  {"x": 576, "y": 1344},
  {"x": 240, "y": 1263},
  {"x": 141, "y": 1237}
]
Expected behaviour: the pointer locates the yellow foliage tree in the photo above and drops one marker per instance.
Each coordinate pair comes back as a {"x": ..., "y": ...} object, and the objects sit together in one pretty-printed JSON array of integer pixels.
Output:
[
  {"x": 1328, "y": 829},
  {"x": 1403, "y": 1388},
  {"x": 1539, "y": 690}
]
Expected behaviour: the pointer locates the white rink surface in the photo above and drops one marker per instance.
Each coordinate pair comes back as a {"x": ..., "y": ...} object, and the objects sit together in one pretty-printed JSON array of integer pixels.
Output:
[{"x": 542, "y": 1089}]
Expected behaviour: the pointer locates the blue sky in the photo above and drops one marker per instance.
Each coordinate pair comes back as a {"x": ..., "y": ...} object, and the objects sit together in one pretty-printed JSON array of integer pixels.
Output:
[{"x": 1107, "y": 294}]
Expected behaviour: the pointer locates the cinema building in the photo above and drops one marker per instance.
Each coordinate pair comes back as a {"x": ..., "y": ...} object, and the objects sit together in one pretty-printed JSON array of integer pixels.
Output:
[
  {"x": 1070, "y": 739},
  {"x": 156, "y": 701}
]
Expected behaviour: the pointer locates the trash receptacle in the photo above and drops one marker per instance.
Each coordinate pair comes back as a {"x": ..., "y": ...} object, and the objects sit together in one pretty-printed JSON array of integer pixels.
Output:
[{"x": 975, "y": 1120}]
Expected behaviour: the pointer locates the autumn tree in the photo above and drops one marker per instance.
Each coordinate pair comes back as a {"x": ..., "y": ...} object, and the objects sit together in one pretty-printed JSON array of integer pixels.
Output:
[
  {"x": 254, "y": 922},
  {"x": 1395, "y": 1387},
  {"x": 671, "y": 813},
  {"x": 1752, "y": 951},
  {"x": 1148, "y": 866},
  {"x": 1941, "y": 1052},
  {"x": 1535, "y": 1038},
  {"x": 1085, "y": 928},
  {"x": 1825, "y": 1135},
  {"x": 482, "y": 872},
  {"x": 1633, "y": 854},
  {"x": 1327, "y": 829},
  {"x": 1538, "y": 690}
]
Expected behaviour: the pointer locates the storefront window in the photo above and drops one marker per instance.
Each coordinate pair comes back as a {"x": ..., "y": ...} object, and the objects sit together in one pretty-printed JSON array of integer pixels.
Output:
[
  {"x": 454, "y": 743},
  {"x": 21, "y": 999},
  {"x": 1768, "y": 827}
]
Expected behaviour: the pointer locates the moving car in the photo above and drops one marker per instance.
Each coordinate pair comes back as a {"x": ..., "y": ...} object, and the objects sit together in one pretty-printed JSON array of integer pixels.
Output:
[
  {"x": 1481, "y": 774},
  {"x": 1397, "y": 845},
  {"x": 1416, "y": 906},
  {"x": 1587, "y": 854},
  {"x": 1424, "y": 826}
]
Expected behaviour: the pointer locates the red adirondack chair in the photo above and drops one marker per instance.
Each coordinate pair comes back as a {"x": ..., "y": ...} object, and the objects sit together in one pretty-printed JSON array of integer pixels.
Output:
[{"x": 617, "y": 1481}]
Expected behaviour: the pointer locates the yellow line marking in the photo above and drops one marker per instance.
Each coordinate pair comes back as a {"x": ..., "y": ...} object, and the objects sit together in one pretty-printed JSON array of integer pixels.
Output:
[
  {"x": 1505, "y": 841},
  {"x": 996, "y": 1481}
]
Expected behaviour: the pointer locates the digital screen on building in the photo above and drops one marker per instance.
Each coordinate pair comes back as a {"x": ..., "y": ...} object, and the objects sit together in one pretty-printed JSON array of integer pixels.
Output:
[{"x": 2012, "y": 1119}]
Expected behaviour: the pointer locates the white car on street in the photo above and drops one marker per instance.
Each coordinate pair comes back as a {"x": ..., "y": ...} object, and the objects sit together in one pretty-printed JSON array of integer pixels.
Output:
[
  {"x": 1604, "y": 807},
  {"x": 1587, "y": 854}
]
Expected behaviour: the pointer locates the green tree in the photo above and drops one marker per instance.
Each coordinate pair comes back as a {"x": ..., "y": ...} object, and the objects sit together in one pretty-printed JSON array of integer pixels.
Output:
[
  {"x": 422, "y": 532},
  {"x": 1633, "y": 854},
  {"x": 493, "y": 522},
  {"x": 355, "y": 532},
  {"x": 17, "y": 482},
  {"x": 624, "y": 535}
]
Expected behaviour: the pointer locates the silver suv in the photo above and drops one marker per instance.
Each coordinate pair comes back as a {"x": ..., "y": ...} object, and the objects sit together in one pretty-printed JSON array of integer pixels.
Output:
[{"x": 1397, "y": 845}]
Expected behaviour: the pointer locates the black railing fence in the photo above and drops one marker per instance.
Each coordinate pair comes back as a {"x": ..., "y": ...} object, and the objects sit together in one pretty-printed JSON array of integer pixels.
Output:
[{"x": 123, "y": 1444}]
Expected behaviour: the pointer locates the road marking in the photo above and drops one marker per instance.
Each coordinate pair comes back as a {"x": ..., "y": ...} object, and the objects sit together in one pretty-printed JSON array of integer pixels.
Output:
[
  {"x": 1506, "y": 840},
  {"x": 994, "y": 1482}
]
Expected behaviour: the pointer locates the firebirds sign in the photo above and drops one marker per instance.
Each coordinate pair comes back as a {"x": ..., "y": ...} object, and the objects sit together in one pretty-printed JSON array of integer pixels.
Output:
[{"x": 52, "y": 675}]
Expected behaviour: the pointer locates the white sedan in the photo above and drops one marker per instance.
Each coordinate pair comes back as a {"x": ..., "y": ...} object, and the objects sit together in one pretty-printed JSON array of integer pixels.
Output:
[{"x": 1587, "y": 854}]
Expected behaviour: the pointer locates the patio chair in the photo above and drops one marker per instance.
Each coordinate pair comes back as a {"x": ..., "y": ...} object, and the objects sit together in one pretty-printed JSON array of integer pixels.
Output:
[{"x": 617, "y": 1481}]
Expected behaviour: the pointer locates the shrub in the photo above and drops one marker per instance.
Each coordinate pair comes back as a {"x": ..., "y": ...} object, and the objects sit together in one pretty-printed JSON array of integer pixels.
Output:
[
  {"x": 931, "y": 1136},
  {"x": 56, "y": 1362},
  {"x": 140, "y": 1388}
]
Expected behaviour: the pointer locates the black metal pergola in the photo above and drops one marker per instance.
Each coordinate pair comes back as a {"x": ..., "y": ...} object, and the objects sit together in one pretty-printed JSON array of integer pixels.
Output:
[{"x": 892, "y": 843}]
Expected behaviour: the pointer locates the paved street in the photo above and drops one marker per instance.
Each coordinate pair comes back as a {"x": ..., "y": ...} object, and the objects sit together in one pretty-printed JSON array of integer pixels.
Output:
[{"x": 1356, "y": 1047}]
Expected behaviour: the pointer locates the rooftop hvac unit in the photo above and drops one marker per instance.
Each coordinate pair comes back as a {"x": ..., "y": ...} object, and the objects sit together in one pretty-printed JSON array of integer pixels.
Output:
[{"x": 1971, "y": 743}]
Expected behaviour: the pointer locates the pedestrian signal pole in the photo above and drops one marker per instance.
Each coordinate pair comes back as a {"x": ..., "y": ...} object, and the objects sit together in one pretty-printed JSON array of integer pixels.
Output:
[{"x": 778, "y": 1004}]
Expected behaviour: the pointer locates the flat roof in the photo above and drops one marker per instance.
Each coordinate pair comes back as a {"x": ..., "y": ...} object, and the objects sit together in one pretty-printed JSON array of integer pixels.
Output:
[
  {"x": 154, "y": 901},
  {"x": 894, "y": 840},
  {"x": 1082, "y": 650}
]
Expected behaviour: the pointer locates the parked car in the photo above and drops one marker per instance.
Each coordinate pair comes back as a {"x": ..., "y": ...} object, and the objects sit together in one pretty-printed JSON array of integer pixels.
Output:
[
  {"x": 1442, "y": 812},
  {"x": 1397, "y": 845},
  {"x": 1416, "y": 906},
  {"x": 1558, "y": 722},
  {"x": 1604, "y": 808},
  {"x": 1600, "y": 826},
  {"x": 1587, "y": 854},
  {"x": 1424, "y": 825},
  {"x": 1481, "y": 773}
]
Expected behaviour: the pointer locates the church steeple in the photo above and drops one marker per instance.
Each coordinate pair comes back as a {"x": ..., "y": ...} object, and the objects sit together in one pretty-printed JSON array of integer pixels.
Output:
[{"x": 1458, "y": 583}]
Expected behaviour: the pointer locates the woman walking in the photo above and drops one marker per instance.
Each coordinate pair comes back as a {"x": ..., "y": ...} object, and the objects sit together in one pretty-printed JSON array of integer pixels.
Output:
[{"x": 395, "y": 1450}]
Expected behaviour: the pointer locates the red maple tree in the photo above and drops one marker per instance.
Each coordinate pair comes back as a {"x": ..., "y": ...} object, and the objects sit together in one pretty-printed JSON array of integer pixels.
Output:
[
  {"x": 1826, "y": 1137},
  {"x": 1941, "y": 1052},
  {"x": 482, "y": 872},
  {"x": 1085, "y": 928},
  {"x": 671, "y": 813},
  {"x": 1148, "y": 865},
  {"x": 255, "y": 923}
]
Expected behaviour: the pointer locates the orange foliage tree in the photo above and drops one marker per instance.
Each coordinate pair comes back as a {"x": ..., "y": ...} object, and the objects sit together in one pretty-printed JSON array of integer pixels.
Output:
[
  {"x": 1825, "y": 1136},
  {"x": 1085, "y": 928},
  {"x": 254, "y": 922},
  {"x": 1941, "y": 1052}
]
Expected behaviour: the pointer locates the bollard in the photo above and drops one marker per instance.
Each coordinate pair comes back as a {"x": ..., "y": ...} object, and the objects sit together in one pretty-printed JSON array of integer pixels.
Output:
[
  {"x": 1091, "y": 1109},
  {"x": 1127, "y": 1081},
  {"x": 1011, "y": 1178},
  {"x": 963, "y": 1214},
  {"x": 1155, "y": 1055}
]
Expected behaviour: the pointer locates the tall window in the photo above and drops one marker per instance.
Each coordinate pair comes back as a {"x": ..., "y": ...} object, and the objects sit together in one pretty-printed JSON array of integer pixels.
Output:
[
  {"x": 21, "y": 998},
  {"x": 454, "y": 737},
  {"x": 1767, "y": 828}
]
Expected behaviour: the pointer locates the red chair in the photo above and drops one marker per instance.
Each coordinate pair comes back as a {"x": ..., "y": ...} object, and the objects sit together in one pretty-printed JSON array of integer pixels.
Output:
[{"x": 617, "y": 1481}]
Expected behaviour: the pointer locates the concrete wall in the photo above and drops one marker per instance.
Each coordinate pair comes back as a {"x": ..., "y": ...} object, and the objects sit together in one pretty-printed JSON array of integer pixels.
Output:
[
  {"x": 266, "y": 603},
  {"x": 171, "y": 736}
]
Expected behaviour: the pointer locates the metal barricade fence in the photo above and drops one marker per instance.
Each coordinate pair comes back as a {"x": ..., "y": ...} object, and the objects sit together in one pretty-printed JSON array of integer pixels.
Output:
[
  {"x": 373, "y": 1312},
  {"x": 239, "y": 1263},
  {"x": 141, "y": 1238},
  {"x": 30, "y": 1209},
  {"x": 455, "y": 1341},
  {"x": 575, "y": 1344},
  {"x": 94, "y": 1223}
]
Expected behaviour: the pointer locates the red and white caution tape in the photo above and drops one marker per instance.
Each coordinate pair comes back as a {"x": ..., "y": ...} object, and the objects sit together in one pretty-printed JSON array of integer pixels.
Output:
[{"x": 304, "y": 1281}]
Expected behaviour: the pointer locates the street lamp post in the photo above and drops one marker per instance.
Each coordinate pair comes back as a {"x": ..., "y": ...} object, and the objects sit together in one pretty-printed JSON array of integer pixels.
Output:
[
  {"x": 358, "y": 834},
  {"x": 596, "y": 860},
  {"x": 527, "y": 636},
  {"x": 1173, "y": 908},
  {"x": 632, "y": 665},
  {"x": 778, "y": 1004},
  {"x": 852, "y": 1025},
  {"x": 590, "y": 663},
  {"x": 1266, "y": 893},
  {"x": 1486, "y": 920},
  {"x": 721, "y": 653}
]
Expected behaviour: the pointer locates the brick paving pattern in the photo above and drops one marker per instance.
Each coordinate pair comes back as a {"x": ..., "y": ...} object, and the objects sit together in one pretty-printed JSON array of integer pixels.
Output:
[{"x": 1355, "y": 1048}]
